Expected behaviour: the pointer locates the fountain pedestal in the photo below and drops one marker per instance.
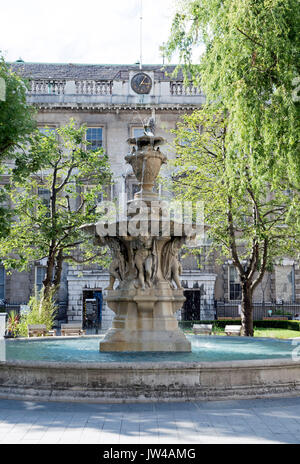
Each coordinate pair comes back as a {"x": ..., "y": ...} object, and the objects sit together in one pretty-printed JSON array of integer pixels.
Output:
[
  {"x": 145, "y": 264},
  {"x": 145, "y": 321}
]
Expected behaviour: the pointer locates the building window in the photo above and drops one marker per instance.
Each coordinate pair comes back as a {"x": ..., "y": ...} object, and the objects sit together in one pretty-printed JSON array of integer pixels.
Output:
[
  {"x": 46, "y": 130},
  {"x": 86, "y": 189},
  {"x": 94, "y": 135},
  {"x": 235, "y": 291},
  {"x": 44, "y": 194},
  {"x": 2, "y": 282},
  {"x": 40, "y": 272},
  {"x": 137, "y": 132}
]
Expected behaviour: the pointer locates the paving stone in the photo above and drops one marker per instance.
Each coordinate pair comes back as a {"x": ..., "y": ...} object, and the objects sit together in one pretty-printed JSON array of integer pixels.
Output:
[{"x": 248, "y": 421}]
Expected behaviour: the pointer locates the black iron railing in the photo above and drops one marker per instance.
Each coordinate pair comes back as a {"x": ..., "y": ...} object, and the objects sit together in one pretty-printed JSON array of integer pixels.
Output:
[
  {"x": 10, "y": 307},
  {"x": 261, "y": 310}
]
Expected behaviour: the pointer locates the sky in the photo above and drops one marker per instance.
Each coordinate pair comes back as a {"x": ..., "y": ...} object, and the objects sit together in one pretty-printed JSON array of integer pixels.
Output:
[{"x": 85, "y": 31}]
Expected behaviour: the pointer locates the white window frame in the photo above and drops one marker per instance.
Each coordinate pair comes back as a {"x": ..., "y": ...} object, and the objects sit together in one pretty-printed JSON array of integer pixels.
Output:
[
  {"x": 95, "y": 127},
  {"x": 36, "y": 275},
  {"x": 50, "y": 127},
  {"x": 133, "y": 128},
  {"x": 229, "y": 268}
]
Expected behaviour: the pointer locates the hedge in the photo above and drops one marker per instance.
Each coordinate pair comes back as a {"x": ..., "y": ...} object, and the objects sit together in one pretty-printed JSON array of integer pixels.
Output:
[{"x": 274, "y": 324}]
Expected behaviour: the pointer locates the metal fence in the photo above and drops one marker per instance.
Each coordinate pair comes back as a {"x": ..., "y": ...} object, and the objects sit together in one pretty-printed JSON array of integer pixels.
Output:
[
  {"x": 261, "y": 310},
  {"x": 10, "y": 307},
  {"x": 61, "y": 314}
]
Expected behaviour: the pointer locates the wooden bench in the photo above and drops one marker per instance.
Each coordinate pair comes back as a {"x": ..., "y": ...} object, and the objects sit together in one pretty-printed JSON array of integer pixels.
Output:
[
  {"x": 71, "y": 329},
  {"x": 276, "y": 318},
  {"x": 205, "y": 329},
  {"x": 39, "y": 330},
  {"x": 229, "y": 318},
  {"x": 233, "y": 329}
]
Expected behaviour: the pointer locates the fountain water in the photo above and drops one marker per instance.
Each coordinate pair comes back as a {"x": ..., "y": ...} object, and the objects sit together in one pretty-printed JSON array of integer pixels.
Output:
[{"x": 146, "y": 266}]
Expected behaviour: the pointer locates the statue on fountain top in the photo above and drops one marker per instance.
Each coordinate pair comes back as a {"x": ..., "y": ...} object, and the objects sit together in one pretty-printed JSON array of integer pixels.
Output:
[{"x": 149, "y": 127}]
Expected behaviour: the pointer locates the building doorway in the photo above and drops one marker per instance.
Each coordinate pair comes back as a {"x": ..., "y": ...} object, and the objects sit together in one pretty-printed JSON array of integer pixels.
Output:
[
  {"x": 92, "y": 309},
  {"x": 192, "y": 305}
]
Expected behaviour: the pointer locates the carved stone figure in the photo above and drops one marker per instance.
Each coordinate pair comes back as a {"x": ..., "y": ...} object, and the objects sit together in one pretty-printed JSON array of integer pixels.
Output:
[
  {"x": 149, "y": 127},
  {"x": 171, "y": 266},
  {"x": 145, "y": 261},
  {"x": 117, "y": 268}
]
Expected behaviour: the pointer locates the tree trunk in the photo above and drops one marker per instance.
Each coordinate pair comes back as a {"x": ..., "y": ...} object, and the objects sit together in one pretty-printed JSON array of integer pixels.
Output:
[
  {"x": 47, "y": 282},
  {"x": 247, "y": 310},
  {"x": 58, "y": 270}
]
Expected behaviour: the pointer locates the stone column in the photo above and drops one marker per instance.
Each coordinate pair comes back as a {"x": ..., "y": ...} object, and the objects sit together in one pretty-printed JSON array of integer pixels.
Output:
[{"x": 2, "y": 324}]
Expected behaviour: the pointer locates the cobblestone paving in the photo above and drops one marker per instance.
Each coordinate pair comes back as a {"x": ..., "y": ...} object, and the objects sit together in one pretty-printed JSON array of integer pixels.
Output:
[{"x": 239, "y": 421}]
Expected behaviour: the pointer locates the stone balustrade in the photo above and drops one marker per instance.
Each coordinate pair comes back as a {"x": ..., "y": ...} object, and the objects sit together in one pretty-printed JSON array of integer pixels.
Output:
[
  {"x": 80, "y": 87},
  {"x": 178, "y": 88},
  {"x": 96, "y": 87},
  {"x": 92, "y": 87},
  {"x": 47, "y": 86}
]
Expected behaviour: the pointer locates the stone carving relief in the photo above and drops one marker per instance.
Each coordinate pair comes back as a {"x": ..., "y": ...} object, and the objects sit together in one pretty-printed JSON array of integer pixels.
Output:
[
  {"x": 118, "y": 266},
  {"x": 171, "y": 266},
  {"x": 145, "y": 261}
]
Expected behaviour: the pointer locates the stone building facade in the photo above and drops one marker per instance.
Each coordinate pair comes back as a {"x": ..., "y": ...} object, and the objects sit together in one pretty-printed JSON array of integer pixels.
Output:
[{"x": 113, "y": 101}]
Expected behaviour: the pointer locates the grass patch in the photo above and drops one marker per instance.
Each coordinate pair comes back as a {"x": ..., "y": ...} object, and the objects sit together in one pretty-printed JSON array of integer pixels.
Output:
[
  {"x": 276, "y": 333},
  {"x": 259, "y": 332}
]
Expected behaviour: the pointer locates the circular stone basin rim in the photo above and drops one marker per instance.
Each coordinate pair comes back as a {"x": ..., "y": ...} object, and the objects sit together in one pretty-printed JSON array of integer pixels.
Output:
[{"x": 172, "y": 365}]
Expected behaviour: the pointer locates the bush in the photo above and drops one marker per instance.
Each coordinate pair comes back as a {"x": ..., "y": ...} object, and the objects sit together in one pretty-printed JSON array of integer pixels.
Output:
[
  {"x": 13, "y": 324},
  {"x": 40, "y": 313}
]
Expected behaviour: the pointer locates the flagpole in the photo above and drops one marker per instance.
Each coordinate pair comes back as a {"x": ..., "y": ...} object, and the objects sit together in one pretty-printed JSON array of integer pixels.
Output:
[{"x": 141, "y": 33}]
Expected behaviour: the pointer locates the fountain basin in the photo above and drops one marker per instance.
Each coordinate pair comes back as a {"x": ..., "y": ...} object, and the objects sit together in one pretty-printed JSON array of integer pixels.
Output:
[{"x": 132, "y": 377}]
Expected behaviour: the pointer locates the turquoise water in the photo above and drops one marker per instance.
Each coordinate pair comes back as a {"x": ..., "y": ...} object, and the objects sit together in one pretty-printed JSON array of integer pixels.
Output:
[{"x": 86, "y": 350}]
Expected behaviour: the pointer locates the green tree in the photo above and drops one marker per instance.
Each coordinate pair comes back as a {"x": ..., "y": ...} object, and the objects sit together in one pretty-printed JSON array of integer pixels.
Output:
[
  {"x": 16, "y": 124},
  {"x": 16, "y": 115},
  {"x": 52, "y": 204},
  {"x": 248, "y": 68},
  {"x": 245, "y": 222}
]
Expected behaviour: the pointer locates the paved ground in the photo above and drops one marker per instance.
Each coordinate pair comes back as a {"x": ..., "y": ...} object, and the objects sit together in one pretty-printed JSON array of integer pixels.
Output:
[{"x": 244, "y": 421}]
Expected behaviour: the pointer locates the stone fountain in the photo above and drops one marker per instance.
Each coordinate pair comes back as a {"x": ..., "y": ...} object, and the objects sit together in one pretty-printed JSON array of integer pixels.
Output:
[{"x": 145, "y": 268}]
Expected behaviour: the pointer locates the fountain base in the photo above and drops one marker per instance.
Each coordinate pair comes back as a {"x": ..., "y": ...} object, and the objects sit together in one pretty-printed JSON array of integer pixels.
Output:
[
  {"x": 145, "y": 321},
  {"x": 145, "y": 340}
]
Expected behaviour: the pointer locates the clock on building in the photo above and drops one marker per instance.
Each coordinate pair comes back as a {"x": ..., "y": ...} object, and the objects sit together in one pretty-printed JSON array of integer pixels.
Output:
[{"x": 141, "y": 83}]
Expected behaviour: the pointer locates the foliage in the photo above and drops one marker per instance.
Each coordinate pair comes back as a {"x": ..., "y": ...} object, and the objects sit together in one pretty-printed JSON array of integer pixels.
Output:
[
  {"x": 234, "y": 208},
  {"x": 13, "y": 323},
  {"x": 245, "y": 220},
  {"x": 51, "y": 205},
  {"x": 16, "y": 124},
  {"x": 247, "y": 71},
  {"x": 281, "y": 312},
  {"x": 249, "y": 68},
  {"x": 16, "y": 115},
  {"x": 42, "y": 311}
]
